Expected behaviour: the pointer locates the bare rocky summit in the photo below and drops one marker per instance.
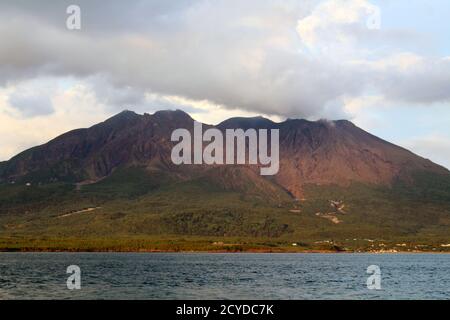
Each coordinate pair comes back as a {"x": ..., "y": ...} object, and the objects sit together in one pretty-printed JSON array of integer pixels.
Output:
[{"x": 318, "y": 153}]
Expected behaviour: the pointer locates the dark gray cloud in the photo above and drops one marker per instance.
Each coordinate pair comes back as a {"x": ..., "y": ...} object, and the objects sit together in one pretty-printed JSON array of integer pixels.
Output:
[
  {"x": 239, "y": 54},
  {"x": 427, "y": 82},
  {"x": 31, "y": 105}
]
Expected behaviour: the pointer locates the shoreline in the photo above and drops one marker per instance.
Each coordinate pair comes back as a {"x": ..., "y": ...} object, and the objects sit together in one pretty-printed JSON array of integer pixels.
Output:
[
  {"x": 207, "y": 245},
  {"x": 222, "y": 251}
]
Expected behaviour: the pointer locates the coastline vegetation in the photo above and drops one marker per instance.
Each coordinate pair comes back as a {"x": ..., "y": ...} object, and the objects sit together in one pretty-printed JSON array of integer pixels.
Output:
[
  {"x": 205, "y": 244},
  {"x": 130, "y": 211}
]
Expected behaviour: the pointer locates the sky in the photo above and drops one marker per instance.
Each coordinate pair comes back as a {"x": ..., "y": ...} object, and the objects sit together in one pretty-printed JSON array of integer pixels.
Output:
[{"x": 382, "y": 64}]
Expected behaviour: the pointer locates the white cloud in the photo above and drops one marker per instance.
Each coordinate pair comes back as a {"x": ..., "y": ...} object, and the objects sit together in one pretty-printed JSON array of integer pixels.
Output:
[
  {"x": 75, "y": 107},
  {"x": 240, "y": 55},
  {"x": 286, "y": 58},
  {"x": 335, "y": 27},
  {"x": 31, "y": 98},
  {"x": 437, "y": 145}
]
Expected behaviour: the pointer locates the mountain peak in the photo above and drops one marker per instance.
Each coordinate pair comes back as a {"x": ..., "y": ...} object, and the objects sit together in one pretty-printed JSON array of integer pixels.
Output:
[
  {"x": 247, "y": 123},
  {"x": 313, "y": 152},
  {"x": 172, "y": 115},
  {"x": 126, "y": 113},
  {"x": 344, "y": 123},
  {"x": 119, "y": 119}
]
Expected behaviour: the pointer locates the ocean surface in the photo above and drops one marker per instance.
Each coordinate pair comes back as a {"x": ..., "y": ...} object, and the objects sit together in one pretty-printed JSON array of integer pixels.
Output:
[{"x": 223, "y": 276}]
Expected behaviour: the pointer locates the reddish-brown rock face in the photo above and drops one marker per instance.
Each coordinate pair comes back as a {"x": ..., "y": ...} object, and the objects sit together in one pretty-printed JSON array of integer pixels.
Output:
[
  {"x": 322, "y": 152},
  {"x": 336, "y": 152}
]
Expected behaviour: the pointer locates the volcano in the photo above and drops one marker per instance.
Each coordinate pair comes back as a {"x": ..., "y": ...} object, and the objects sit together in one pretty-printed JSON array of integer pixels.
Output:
[{"x": 123, "y": 168}]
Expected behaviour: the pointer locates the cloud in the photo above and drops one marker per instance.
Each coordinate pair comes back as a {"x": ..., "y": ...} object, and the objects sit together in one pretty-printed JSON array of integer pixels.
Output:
[
  {"x": 288, "y": 58},
  {"x": 437, "y": 145},
  {"x": 75, "y": 106},
  {"x": 426, "y": 81},
  {"x": 335, "y": 27},
  {"x": 30, "y": 98},
  {"x": 285, "y": 58},
  {"x": 116, "y": 97},
  {"x": 241, "y": 56},
  {"x": 282, "y": 58},
  {"x": 30, "y": 104}
]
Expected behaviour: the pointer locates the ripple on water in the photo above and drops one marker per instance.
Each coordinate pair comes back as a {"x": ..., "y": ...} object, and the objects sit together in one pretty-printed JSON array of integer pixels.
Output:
[{"x": 223, "y": 276}]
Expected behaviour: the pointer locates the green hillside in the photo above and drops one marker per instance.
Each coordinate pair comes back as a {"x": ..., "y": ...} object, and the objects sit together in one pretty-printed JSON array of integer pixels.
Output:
[{"x": 137, "y": 209}]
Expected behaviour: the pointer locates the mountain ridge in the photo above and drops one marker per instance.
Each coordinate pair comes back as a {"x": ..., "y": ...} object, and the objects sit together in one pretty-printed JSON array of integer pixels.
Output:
[
  {"x": 320, "y": 152},
  {"x": 112, "y": 186}
]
